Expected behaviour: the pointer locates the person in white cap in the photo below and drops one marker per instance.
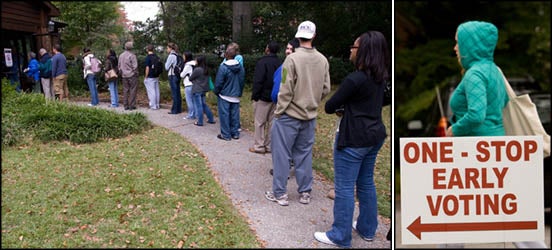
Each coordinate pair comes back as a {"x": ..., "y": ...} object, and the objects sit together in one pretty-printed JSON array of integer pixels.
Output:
[{"x": 305, "y": 82}]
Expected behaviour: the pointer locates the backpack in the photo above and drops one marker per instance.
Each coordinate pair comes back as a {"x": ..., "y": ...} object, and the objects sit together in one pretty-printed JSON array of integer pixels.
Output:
[
  {"x": 179, "y": 66},
  {"x": 95, "y": 65},
  {"x": 156, "y": 67}
]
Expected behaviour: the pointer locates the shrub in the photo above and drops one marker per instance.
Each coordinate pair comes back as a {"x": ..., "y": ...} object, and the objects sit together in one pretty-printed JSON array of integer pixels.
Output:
[{"x": 30, "y": 115}]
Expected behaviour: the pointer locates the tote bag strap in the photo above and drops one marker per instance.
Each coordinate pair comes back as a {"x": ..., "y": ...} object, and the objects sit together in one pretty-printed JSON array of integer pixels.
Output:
[{"x": 509, "y": 89}]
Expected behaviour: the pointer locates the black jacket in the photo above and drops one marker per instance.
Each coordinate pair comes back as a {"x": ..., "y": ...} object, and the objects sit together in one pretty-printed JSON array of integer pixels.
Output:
[
  {"x": 263, "y": 78},
  {"x": 361, "y": 124}
]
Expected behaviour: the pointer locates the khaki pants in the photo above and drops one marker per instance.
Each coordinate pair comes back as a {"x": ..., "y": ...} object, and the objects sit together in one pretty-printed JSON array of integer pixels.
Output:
[
  {"x": 264, "y": 113},
  {"x": 60, "y": 87},
  {"x": 47, "y": 87}
]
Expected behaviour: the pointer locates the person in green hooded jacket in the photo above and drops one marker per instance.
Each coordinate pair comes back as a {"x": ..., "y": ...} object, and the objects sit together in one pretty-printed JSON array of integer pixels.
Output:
[{"x": 479, "y": 98}]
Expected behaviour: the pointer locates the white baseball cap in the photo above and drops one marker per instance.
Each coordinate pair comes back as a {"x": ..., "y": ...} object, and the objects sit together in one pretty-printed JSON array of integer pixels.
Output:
[{"x": 306, "y": 30}]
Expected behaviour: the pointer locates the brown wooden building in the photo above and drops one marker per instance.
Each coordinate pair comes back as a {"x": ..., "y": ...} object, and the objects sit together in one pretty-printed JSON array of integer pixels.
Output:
[{"x": 27, "y": 26}]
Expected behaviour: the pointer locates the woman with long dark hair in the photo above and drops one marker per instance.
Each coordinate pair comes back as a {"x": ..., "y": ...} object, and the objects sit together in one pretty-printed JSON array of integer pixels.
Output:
[
  {"x": 360, "y": 136},
  {"x": 112, "y": 63},
  {"x": 200, "y": 86}
]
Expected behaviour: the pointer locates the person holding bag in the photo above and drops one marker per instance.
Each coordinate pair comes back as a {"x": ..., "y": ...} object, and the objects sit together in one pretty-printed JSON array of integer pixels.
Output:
[
  {"x": 478, "y": 101},
  {"x": 111, "y": 65},
  {"x": 90, "y": 76},
  {"x": 200, "y": 86}
]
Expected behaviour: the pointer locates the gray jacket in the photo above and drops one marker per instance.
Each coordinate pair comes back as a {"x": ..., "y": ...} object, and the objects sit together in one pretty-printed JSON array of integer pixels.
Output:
[{"x": 128, "y": 64}]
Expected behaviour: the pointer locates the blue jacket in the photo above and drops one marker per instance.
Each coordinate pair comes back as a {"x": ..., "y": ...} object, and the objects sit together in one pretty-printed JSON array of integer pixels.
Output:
[
  {"x": 276, "y": 86},
  {"x": 230, "y": 79},
  {"x": 33, "y": 70},
  {"x": 59, "y": 65}
]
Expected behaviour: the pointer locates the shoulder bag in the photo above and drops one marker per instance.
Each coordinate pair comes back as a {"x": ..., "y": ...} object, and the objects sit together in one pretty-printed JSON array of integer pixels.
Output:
[
  {"x": 110, "y": 75},
  {"x": 520, "y": 117}
]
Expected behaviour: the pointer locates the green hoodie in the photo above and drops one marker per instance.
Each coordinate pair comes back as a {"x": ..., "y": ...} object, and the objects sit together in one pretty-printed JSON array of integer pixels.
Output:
[{"x": 478, "y": 100}]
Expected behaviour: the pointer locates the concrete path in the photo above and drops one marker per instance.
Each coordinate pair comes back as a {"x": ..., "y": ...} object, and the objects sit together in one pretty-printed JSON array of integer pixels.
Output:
[{"x": 245, "y": 177}]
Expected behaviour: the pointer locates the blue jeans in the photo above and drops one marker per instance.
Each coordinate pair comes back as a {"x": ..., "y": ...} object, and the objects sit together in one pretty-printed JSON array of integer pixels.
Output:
[
  {"x": 190, "y": 102},
  {"x": 114, "y": 93},
  {"x": 354, "y": 166},
  {"x": 14, "y": 81},
  {"x": 174, "y": 81},
  {"x": 91, "y": 80},
  {"x": 201, "y": 107},
  {"x": 229, "y": 117}
]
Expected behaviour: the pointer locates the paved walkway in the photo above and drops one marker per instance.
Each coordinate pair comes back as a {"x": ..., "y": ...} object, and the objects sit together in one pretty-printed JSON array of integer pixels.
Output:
[{"x": 245, "y": 177}]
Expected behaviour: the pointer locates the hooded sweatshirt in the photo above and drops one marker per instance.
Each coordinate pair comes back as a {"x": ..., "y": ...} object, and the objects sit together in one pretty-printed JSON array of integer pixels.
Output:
[
  {"x": 479, "y": 98},
  {"x": 230, "y": 80}
]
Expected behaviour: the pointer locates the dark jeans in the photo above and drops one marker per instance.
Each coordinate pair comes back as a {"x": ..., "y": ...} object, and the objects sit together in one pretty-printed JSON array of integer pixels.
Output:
[
  {"x": 174, "y": 81},
  {"x": 229, "y": 117}
]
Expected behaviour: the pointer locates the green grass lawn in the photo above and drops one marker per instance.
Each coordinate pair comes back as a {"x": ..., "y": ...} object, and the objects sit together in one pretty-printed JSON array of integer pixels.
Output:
[
  {"x": 151, "y": 189},
  {"x": 93, "y": 184}
]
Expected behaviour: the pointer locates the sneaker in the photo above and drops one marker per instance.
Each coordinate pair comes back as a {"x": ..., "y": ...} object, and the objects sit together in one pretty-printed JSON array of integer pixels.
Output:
[
  {"x": 235, "y": 137},
  {"x": 363, "y": 237},
  {"x": 305, "y": 198},
  {"x": 322, "y": 237},
  {"x": 252, "y": 150},
  {"x": 222, "y": 138},
  {"x": 282, "y": 200}
]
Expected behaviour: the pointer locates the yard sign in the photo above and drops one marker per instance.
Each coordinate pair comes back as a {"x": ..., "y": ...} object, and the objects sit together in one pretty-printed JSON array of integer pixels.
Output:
[{"x": 471, "y": 189}]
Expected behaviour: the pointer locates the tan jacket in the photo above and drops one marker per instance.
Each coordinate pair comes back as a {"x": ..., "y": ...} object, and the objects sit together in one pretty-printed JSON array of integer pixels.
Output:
[{"x": 305, "y": 83}]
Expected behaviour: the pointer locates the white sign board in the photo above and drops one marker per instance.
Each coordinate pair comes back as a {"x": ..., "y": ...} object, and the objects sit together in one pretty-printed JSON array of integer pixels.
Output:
[
  {"x": 471, "y": 189},
  {"x": 8, "y": 57}
]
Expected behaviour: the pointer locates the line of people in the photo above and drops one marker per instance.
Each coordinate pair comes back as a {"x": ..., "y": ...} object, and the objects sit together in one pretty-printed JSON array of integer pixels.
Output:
[
  {"x": 47, "y": 74},
  {"x": 285, "y": 98}
]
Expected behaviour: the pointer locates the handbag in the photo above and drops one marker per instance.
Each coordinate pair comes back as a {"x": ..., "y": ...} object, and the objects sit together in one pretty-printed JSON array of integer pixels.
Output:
[
  {"x": 520, "y": 117},
  {"x": 211, "y": 85},
  {"x": 110, "y": 75}
]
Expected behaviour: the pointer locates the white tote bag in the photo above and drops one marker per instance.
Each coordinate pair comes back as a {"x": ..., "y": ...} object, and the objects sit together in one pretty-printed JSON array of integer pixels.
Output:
[{"x": 520, "y": 117}]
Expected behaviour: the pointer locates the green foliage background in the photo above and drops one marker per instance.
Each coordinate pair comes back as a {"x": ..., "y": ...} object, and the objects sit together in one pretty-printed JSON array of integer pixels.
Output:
[
  {"x": 425, "y": 59},
  {"x": 203, "y": 27}
]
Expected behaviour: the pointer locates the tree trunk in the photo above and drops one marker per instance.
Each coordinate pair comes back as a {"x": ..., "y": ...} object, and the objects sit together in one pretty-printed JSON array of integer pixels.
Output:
[{"x": 241, "y": 22}]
